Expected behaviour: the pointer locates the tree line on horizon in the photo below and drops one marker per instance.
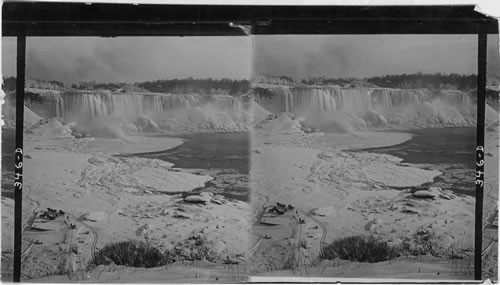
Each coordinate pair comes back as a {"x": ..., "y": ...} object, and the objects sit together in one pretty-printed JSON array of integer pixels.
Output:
[
  {"x": 463, "y": 82},
  {"x": 419, "y": 80},
  {"x": 9, "y": 84},
  {"x": 203, "y": 86},
  {"x": 180, "y": 86}
]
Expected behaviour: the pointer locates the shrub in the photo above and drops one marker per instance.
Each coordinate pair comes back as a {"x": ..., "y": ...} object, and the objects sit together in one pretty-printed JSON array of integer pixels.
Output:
[
  {"x": 195, "y": 247},
  {"x": 359, "y": 248},
  {"x": 131, "y": 253},
  {"x": 425, "y": 242}
]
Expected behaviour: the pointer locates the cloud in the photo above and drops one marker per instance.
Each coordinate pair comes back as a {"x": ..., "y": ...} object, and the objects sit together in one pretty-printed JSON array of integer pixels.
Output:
[
  {"x": 303, "y": 56},
  {"x": 132, "y": 59},
  {"x": 146, "y": 58}
]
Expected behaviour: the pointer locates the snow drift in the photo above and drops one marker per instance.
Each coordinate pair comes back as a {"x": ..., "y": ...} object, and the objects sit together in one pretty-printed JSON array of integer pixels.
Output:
[
  {"x": 345, "y": 168},
  {"x": 9, "y": 115}
]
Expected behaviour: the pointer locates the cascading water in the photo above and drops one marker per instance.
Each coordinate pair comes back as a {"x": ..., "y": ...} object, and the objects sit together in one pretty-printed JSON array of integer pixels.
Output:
[
  {"x": 100, "y": 112},
  {"x": 106, "y": 104},
  {"x": 358, "y": 108}
]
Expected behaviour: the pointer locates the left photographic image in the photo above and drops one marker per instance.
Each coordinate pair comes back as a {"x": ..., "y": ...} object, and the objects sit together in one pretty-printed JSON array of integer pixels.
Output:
[{"x": 136, "y": 159}]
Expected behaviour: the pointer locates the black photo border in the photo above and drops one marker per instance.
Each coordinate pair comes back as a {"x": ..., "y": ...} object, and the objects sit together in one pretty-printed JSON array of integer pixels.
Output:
[{"x": 41, "y": 19}]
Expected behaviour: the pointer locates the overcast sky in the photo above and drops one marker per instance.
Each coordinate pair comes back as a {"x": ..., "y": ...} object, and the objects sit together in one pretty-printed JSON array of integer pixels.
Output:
[
  {"x": 369, "y": 55},
  {"x": 139, "y": 59},
  {"x": 132, "y": 59}
]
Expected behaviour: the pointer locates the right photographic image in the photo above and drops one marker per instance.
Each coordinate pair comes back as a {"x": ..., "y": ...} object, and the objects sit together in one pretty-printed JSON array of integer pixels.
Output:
[{"x": 363, "y": 160}]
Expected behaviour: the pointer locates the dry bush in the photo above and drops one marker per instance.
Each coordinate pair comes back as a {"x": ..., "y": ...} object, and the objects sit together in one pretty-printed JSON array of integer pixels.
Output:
[
  {"x": 360, "y": 249},
  {"x": 131, "y": 253}
]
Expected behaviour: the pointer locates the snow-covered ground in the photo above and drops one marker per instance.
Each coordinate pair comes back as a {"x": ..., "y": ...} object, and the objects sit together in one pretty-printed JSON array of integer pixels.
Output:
[
  {"x": 109, "y": 198},
  {"x": 339, "y": 194}
]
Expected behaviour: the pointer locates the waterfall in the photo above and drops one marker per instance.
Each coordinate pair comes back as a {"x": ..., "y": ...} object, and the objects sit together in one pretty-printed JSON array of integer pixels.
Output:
[
  {"x": 317, "y": 107},
  {"x": 128, "y": 105},
  {"x": 131, "y": 105},
  {"x": 372, "y": 107},
  {"x": 179, "y": 113}
]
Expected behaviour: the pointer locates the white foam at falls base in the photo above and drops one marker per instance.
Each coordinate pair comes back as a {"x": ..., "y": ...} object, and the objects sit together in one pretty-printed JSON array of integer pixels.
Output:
[
  {"x": 206, "y": 118},
  {"x": 283, "y": 123},
  {"x": 348, "y": 109},
  {"x": 100, "y": 112},
  {"x": 54, "y": 129}
]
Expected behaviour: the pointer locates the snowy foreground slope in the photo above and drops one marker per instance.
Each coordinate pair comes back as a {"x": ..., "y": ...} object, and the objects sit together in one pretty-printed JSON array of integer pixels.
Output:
[
  {"x": 336, "y": 193},
  {"x": 107, "y": 198}
]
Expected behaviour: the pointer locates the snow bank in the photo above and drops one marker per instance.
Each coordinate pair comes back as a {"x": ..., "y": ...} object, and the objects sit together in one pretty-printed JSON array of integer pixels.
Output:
[
  {"x": 9, "y": 115},
  {"x": 30, "y": 117},
  {"x": 130, "y": 145},
  {"x": 259, "y": 112},
  {"x": 362, "y": 140},
  {"x": 375, "y": 169},
  {"x": 138, "y": 175}
]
